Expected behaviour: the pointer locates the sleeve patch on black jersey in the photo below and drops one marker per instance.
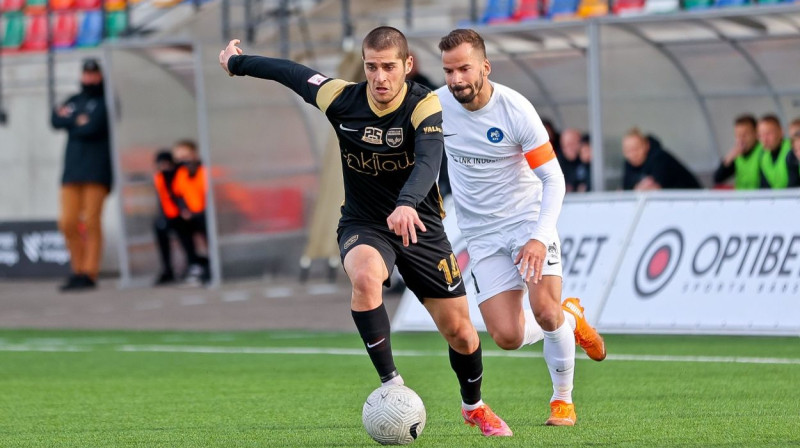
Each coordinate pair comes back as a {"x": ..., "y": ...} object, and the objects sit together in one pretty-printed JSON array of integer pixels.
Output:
[
  {"x": 431, "y": 129},
  {"x": 317, "y": 79}
]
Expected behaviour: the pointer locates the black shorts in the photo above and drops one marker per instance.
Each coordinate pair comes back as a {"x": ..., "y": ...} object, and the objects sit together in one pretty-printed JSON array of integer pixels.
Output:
[{"x": 429, "y": 267}]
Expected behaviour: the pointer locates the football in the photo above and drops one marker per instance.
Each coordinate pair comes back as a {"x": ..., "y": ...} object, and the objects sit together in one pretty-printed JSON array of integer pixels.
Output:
[{"x": 394, "y": 415}]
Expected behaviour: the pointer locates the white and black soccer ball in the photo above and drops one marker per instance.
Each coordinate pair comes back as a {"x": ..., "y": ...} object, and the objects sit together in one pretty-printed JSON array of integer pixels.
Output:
[{"x": 394, "y": 415}]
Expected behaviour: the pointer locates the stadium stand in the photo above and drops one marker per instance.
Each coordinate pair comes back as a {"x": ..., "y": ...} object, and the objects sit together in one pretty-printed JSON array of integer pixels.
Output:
[
  {"x": 562, "y": 9},
  {"x": 527, "y": 10},
  {"x": 11, "y": 5},
  {"x": 498, "y": 11},
  {"x": 65, "y": 30},
  {"x": 91, "y": 29},
  {"x": 592, "y": 8},
  {"x": 628, "y": 7},
  {"x": 35, "y": 33},
  {"x": 14, "y": 31},
  {"x": 58, "y": 5}
]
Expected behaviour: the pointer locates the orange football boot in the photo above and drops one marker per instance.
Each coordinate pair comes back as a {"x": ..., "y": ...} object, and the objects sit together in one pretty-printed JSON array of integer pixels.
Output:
[
  {"x": 489, "y": 423},
  {"x": 561, "y": 414},
  {"x": 585, "y": 335}
]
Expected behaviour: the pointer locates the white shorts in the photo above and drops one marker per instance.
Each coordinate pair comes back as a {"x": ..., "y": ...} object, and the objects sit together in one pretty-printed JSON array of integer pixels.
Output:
[{"x": 491, "y": 259}]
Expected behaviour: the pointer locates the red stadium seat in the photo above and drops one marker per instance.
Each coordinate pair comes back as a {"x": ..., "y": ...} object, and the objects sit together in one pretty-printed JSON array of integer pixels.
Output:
[
  {"x": 87, "y": 4},
  {"x": 626, "y": 7},
  {"x": 58, "y": 5},
  {"x": 527, "y": 10},
  {"x": 36, "y": 33},
  {"x": 12, "y": 5},
  {"x": 65, "y": 30}
]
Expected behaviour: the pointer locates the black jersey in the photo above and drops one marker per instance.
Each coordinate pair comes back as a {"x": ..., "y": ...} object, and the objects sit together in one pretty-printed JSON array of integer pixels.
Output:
[{"x": 389, "y": 158}]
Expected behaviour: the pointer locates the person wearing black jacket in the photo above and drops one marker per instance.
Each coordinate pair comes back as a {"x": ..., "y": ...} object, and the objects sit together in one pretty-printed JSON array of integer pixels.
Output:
[
  {"x": 86, "y": 179},
  {"x": 648, "y": 166}
]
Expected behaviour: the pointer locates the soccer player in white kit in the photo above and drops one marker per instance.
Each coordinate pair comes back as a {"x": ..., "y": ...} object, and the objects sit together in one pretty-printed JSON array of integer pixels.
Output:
[{"x": 508, "y": 188}]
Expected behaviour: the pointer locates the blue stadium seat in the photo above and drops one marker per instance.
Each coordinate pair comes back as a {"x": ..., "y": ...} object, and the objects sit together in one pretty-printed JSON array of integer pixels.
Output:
[
  {"x": 562, "y": 8},
  {"x": 724, "y": 3},
  {"x": 91, "y": 30},
  {"x": 498, "y": 11}
]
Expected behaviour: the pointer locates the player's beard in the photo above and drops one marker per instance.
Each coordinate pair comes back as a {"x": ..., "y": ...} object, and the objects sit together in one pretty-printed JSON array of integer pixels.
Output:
[{"x": 466, "y": 94}]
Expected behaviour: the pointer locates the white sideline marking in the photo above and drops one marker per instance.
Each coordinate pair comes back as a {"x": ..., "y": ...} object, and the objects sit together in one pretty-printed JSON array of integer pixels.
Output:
[
  {"x": 361, "y": 352},
  {"x": 417, "y": 353}
]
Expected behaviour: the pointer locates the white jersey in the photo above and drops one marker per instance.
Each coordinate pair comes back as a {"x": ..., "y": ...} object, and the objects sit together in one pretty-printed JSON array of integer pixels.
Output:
[{"x": 490, "y": 153}]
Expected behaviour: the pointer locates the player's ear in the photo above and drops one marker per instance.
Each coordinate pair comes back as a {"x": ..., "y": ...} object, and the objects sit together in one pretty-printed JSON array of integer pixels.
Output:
[
  {"x": 409, "y": 64},
  {"x": 487, "y": 67}
]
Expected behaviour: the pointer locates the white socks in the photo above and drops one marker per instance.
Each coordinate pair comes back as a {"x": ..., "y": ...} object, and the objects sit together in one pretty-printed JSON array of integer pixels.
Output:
[
  {"x": 533, "y": 332},
  {"x": 559, "y": 354},
  {"x": 395, "y": 381},
  {"x": 471, "y": 407}
]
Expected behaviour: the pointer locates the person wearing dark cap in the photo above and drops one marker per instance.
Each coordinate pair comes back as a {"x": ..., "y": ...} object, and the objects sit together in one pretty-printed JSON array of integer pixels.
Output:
[{"x": 86, "y": 179}]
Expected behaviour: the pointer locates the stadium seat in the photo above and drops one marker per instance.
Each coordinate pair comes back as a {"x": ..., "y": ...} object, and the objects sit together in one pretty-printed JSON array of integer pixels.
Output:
[
  {"x": 114, "y": 5},
  {"x": 87, "y": 4},
  {"x": 527, "y": 10},
  {"x": 562, "y": 9},
  {"x": 35, "y": 33},
  {"x": 15, "y": 31},
  {"x": 58, "y": 5},
  {"x": 726, "y": 3},
  {"x": 65, "y": 30},
  {"x": 592, "y": 8},
  {"x": 11, "y": 5},
  {"x": 35, "y": 6},
  {"x": 661, "y": 6},
  {"x": 697, "y": 4},
  {"x": 498, "y": 11},
  {"x": 774, "y": 2},
  {"x": 116, "y": 24},
  {"x": 90, "y": 33},
  {"x": 628, "y": 7}
]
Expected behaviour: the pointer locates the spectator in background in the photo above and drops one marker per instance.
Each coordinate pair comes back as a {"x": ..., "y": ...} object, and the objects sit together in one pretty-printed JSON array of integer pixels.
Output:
[
  {"x": 648, "y": 166},
  {"x": 168, "y": 218},
  {"x": 742, "y": 161},
  {"x": 583, "y": 172},
  {"x": 570, "y": 157},
  {"x": 554, "y": 135},
  {"x": 86, "y": 180},
  {"x": 793, "y": 160},
  {"x": 190, "y": 189},
  {"x": 794, "y": 128},
  {"x": 774, "y": 172}
]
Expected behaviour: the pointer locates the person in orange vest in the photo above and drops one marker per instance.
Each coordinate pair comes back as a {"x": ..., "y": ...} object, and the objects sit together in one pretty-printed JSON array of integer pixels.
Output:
[
  {"x": 190, "y": 188},
  {"x": 168, "y": 213}
]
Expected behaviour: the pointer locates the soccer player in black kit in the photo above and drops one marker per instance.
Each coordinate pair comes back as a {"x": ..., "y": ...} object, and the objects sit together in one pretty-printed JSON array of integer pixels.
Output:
[{"x": 391, "y": 142}]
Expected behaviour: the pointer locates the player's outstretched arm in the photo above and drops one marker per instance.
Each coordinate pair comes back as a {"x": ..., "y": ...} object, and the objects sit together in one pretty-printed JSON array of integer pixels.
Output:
[{"x": 303, "y": 80}]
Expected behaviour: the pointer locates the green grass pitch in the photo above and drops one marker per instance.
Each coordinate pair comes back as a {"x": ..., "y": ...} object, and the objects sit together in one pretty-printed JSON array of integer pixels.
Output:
[{"x": 296, "y": 389}]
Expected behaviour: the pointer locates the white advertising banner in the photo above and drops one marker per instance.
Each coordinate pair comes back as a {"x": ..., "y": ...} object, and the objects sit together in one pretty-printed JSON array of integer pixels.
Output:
[
  {"x": 593, "y": 234},
  {"x": 707, "y": 265}
]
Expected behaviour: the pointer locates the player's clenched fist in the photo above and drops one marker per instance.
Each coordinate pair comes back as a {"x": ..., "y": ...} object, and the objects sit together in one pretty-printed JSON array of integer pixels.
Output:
[{"x": 230, "y": 50}]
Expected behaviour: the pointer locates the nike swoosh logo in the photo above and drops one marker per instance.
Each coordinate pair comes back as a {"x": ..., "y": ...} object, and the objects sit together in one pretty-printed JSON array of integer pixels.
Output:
[
  {"x": 561, "y": 371},
  {"x": 373, "y": 345},
  {"x": 449, "y": 135},
  {"x": 470, "y": 380},
  {"x": 342, "y": 127},
  {"x": 550, "y": 264},
  {"x": 452, "y": 288}
]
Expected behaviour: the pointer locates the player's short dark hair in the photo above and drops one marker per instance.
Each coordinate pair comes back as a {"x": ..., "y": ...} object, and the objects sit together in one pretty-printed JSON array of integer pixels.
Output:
[
  {"x": 462, "y": 36},
  {"x": 164, "y": 155},
  {"x": 745, "y": 119},
  {"x": 384, "y": 38},
  {"x": 771, "y": 118},
  {"x": 187, "y": 143}
]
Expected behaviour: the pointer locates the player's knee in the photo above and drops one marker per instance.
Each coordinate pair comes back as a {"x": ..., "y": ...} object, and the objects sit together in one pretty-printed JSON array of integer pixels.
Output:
[
  {"x": 365, "y": 283},
  {"x": 506, "y": 341},
  {"x": 549, "y": 317},
  {"x": 461, "y": 336},
  {"x": 69, "y": 227}
]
